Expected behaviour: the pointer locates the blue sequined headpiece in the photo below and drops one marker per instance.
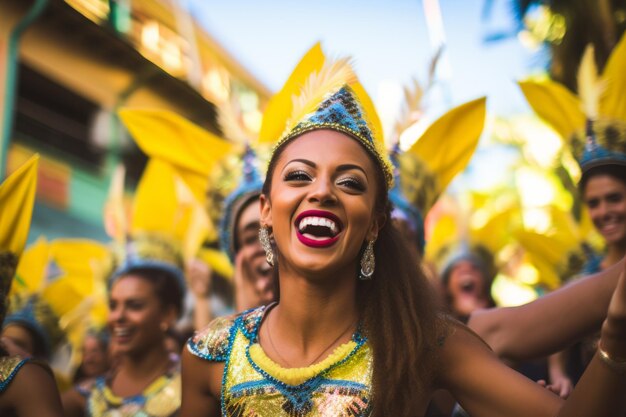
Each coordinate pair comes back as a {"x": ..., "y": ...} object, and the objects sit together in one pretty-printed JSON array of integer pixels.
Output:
[
  {"x": 249, "y": 188},
  {"x": 604, "y": 144},
  {"x": 342, "y": 112},
  {"x": 34, "y": 314},
  {"x": 407, "y": 211}
]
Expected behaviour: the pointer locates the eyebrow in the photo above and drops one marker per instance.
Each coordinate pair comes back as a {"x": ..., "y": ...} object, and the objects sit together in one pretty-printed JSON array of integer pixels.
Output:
[{"x": 340, "y": 168}]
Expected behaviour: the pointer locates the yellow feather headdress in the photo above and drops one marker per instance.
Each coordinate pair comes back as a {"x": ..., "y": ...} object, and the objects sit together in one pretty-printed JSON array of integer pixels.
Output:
[
  {"x": 595, "y": 122},
  {"x": 331, "y": 98},
  {"x": 183, "y": 158},
  {"x": 58, "y": 289}
]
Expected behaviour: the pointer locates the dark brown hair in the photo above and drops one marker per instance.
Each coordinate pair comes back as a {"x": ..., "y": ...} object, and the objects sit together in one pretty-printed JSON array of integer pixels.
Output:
[
  {"x": 612, "y": 170},
  {"x": 399, "y": 312},
  {"x": 166, "y": 286}
]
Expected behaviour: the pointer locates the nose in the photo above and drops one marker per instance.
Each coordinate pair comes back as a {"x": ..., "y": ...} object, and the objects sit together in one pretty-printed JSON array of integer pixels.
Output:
[
  {"x": 116, "y": 314},
  {"x": 323, "y": 192},
  {"x": 602, "y": 209}
]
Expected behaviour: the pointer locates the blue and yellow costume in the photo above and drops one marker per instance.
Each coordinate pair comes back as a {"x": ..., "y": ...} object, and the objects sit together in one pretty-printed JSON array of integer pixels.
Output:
[
  {"x": 254, "y": 385},
  {"x": 160, "y": 399}
]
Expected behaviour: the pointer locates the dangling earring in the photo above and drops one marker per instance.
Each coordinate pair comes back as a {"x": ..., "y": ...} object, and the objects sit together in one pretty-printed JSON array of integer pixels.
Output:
[
  {"x": 264, "y": 238},
  {"x": 368, "y": 262}
]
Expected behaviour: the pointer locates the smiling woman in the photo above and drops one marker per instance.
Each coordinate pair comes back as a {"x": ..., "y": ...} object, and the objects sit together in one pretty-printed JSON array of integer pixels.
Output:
[{"x": 356, "y": 331}]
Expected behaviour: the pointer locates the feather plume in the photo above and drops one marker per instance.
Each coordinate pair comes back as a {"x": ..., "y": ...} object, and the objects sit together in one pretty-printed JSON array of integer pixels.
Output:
[
  {"x": 230, "y": 123},
  {"x": 590, "y": 86},
  {"x": 413, "y": 107},
  {"x": 318, "y": 86},
  {"x": 115, "y": 221}
]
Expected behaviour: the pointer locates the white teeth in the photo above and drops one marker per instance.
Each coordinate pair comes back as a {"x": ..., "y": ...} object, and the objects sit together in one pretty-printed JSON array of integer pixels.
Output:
[
  {"x": 317, "y": 221},
  {"x": 121, "y": 332}
]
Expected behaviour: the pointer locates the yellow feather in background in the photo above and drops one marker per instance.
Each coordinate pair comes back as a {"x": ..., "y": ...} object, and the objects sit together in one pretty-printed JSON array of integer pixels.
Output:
[
  {"x": 279, "y": 108},
  {"x": 555, "y": 104},
  {"x": 613, "y": 98},
  {"x": 318, "y": 86},
  {"x": 31, "y": 270},
  {"x": 17, "y": 197},
  {"x": 165, "y": 135},
  {"x": 449, "y": 143},
  {"x": 590, "y": 86}
]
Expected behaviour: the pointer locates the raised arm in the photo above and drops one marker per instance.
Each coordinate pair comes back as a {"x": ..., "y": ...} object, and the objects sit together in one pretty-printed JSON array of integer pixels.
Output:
[
  {"x": 485, "y": 387},
  {"x": 550, "y": 323}
]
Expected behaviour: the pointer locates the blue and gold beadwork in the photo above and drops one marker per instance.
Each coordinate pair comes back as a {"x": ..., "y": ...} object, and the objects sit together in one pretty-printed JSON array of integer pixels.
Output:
[
  {"x": 162, "y": 398},
  {"x": 9, "y": 366},
  {"x": 253, "y": 385},
  {"x": 342, "y": 112}
]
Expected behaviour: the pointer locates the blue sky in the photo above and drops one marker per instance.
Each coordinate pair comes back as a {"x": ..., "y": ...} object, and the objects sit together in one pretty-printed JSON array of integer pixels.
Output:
[{"x": 388, "y": 40}]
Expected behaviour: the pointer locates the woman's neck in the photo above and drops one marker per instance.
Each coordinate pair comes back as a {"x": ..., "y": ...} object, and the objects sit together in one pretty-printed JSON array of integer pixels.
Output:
[
  {"x": 145, "y": 362},
  {"x": 312, "y": 312}
]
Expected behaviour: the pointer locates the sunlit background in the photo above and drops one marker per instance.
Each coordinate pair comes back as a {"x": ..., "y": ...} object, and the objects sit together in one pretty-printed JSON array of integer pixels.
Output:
[{"x": 77, "y": 62}]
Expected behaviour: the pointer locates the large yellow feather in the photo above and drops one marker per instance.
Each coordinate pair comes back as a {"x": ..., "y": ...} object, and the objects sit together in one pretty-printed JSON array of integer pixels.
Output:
[
  {"x": 17, "y": 197},
  {"x": 449, "y": 143},
  {"x": 155, "y": 206},
  {"x": 589, "y": 85},
  {"x": 165, "y": 135},
  {"x": 319, "y": 85},
  {"x": 371, "y": 116},
  {"x": 31, "y": 270},
  {"x": 279, "y": 107},
  {"x": 613, "y": 99},
  {"x": 556, "y": 105}
]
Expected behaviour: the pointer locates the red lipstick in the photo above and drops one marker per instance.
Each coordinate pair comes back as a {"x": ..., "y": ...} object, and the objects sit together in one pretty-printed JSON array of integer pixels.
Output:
[{"x": 318, "y": 243}]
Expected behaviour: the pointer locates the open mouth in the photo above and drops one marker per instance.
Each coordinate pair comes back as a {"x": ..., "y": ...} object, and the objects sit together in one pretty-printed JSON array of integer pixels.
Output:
[
  {"x": 318, "y": 228},
  {"x": 468, "y": 287},
  {"x": 264, "y": 269}
]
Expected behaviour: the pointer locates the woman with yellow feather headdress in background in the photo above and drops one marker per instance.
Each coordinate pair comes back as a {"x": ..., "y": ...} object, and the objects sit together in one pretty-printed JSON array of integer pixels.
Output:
[
  {"x": 595, "y": 127},
  {"x": 145, "y": 294},
  {"x": 594, "y": 124},
  {"x": 57, "y": 296},
  {"x": 21, "y": 380}
]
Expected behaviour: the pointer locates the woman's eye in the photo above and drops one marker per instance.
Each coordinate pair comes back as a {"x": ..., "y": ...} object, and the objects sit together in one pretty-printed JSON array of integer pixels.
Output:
[
  {"x": 353, "y": 183},
  {"x": 297, "y": 176}
]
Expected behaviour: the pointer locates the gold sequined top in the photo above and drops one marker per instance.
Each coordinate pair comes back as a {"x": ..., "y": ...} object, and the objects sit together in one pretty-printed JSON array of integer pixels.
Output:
[
  {"x": 9, "y": 366},
  {"x": 160, "y": 399},
  {"x": 254, "y": 385}
]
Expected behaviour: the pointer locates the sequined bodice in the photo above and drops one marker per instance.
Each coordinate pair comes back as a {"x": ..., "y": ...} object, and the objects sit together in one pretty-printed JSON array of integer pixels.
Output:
[
  {"x": 9, "y": 366},
  {"x": 160, "y": 399},
  {"x": 253, "y": 385}
]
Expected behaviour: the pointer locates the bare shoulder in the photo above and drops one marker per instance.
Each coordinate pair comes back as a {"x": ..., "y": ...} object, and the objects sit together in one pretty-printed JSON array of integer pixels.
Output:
[{"x": 32, "y": 380}]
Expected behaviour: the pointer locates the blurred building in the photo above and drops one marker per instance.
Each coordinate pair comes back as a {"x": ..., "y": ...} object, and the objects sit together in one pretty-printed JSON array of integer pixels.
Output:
[{"x": 80, "y": 61}]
